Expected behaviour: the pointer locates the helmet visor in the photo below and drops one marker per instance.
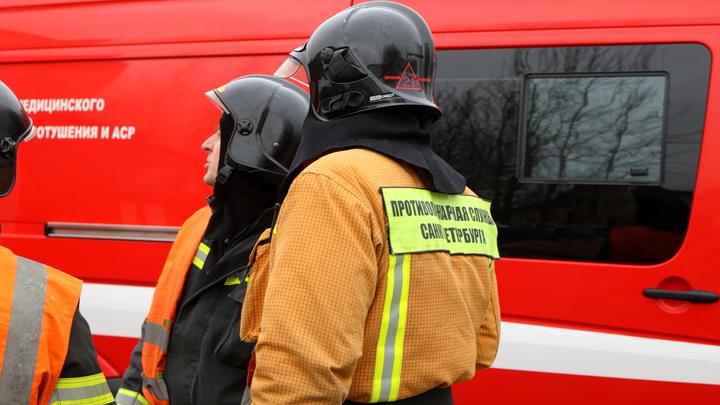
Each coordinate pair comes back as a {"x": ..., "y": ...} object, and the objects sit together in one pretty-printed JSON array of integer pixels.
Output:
[
  {"x": 213, "y": 96},
  {"x": 30, "y": 133},
  {"x": 292, "y": 69}
]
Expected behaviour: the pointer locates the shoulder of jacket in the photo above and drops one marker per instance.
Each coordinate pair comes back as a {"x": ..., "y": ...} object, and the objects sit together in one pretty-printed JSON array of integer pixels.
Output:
[{"x": 199, "y": 217}]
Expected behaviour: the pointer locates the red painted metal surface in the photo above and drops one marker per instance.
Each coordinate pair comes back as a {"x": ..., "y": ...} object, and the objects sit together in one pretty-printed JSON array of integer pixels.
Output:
[{"x": 150, "y": 63}]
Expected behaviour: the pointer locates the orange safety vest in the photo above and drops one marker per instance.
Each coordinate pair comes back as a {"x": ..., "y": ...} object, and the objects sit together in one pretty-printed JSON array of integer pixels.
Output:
[
  {"x": 37, "y": 307},
  {"x": 164, "y": 305}
]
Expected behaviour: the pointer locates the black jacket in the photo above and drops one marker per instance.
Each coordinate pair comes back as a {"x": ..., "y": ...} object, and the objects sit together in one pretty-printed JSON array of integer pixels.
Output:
[{"x": 207, "y": 362}]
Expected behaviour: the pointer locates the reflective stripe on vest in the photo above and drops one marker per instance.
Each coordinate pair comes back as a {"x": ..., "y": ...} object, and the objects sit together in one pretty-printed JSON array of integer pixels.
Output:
[
  {"x": 426, "y": 221},
  {"x": 187, "y": 250},
  {"x": 156, "y": 387},
  {"x": 89, "y": 390},
  {"x": 157, "y": 334},
  {"x": 127, "y": 397},
  {"x": 201, "y": 255},
  {"x": 26, "y": 318},
  {"x": 389, "y": 352}
]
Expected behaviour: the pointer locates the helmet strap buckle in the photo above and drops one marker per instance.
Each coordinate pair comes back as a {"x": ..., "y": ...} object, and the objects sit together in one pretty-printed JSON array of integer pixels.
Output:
[{"x": 223, "y": 174}]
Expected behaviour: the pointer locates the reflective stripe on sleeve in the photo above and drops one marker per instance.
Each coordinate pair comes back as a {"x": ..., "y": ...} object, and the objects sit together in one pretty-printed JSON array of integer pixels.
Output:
[
  {"x": 23, "y": 338},
  {"x": 389, "y": 354},
  {"x": 127, "y": 397},
  {"x": 201, "y": 255},
  {"x": 88, "y": 390}
]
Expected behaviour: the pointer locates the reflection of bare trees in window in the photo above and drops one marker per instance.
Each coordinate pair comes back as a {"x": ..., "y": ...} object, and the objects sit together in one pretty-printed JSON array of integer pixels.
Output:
[
  {"x": 477, "y": 134},
  {"x": 595, "y": 128}
]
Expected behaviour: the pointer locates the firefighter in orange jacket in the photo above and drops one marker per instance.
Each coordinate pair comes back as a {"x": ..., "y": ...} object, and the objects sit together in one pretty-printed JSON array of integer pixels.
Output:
[
  {"x": 47, "y": 352},
  {"x": 190, "y": 351},
  {"x": 377, "y": 283}
]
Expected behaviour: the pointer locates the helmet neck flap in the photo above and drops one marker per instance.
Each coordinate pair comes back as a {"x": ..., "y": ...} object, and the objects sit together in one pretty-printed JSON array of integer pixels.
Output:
[{"x": 401, "y": 133}]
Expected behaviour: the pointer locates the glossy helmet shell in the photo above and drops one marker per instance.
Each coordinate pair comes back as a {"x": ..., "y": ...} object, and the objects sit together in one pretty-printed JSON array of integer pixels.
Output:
[
  {"x": 372, "y": 55},
  {"x": 15, "y": 126},
  {"x": 268, "y": 115}
]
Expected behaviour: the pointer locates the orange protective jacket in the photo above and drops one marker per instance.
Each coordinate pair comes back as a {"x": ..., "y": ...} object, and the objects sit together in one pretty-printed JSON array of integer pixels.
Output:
[
  {"x": 322, "y": 295},
  {"x": 37, "y": 307},
  {"x": 164, "y": 305}
]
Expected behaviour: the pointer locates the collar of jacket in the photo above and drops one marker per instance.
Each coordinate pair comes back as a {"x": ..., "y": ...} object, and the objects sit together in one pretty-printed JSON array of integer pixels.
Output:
[{"x": 228, "y": 259}]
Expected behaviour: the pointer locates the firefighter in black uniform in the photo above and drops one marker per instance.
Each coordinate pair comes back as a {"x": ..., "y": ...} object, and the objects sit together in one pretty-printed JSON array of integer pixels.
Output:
[{"x": 190, "y": 351}]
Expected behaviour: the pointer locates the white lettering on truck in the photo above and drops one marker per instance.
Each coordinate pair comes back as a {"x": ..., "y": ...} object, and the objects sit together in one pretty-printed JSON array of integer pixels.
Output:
[{"x": 50, "y": 105}]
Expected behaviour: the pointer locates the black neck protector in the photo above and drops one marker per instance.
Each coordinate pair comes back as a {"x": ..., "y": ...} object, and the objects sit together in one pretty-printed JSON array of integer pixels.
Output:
[
  {"x": 397, "y": 132},
  {"x": 240, "y": 199}
]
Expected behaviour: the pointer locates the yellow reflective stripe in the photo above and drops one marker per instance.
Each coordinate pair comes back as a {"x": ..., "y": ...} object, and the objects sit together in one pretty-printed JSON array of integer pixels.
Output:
[
  {"x": 389, "y": 352},
  {"x": 426, "y": 221},
  {"x": 79, "y": 382},
  {"x": 201, "y": 255},
  {"x": 88, "y": 390},
  {"x": 232, "y": 280},
  {"x": 127, "y": 397}
]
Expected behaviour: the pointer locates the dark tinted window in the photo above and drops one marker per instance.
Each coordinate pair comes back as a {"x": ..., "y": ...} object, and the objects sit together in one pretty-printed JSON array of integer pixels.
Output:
[
  {"x": 582, "y": 129},
  {"x": 588, "y": 153}
]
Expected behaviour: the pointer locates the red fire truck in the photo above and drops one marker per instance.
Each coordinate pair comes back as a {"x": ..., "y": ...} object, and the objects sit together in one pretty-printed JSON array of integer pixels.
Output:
[{"x": 592, "y": 126}]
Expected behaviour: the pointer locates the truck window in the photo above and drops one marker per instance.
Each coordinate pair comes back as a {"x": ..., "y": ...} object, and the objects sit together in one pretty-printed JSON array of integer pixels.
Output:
[
  {"x": 597, "y": 129},
  {"x": 588, "y": 153}
]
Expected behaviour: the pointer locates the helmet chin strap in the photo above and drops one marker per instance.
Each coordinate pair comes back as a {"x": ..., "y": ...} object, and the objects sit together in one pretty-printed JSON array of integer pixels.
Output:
[{"x": 223, "y": 174}]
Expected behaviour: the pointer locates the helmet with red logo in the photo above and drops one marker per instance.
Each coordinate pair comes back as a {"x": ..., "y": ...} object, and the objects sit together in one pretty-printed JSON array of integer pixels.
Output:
[
  {"x": 372, "y": 55},
  {"x": 15, "y": 126}
]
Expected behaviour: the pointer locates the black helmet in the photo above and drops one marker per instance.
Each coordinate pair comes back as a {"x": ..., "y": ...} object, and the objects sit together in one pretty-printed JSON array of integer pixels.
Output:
[
  {"x": 372, "y": 55},
  {"x": 268, "y": 115},
  {"x": 15, "y": 126}
]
